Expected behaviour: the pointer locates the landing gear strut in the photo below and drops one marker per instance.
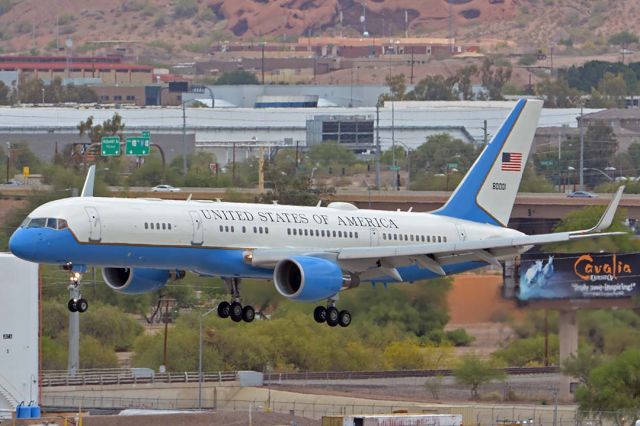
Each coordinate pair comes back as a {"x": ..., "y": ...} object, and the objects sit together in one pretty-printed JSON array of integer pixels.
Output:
[
  {"x": 76, "y": 302},
  {"x": 331, "y": 315},
  {"x": 235, "y": 310}
]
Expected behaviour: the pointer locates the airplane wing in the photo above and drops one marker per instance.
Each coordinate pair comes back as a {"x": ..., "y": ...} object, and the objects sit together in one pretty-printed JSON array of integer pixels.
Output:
[{"x": 371, "y": 261}]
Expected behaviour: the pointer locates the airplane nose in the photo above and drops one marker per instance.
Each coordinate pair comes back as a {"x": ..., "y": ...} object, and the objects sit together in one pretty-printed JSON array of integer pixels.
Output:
[{"x": 21, "y": 245}]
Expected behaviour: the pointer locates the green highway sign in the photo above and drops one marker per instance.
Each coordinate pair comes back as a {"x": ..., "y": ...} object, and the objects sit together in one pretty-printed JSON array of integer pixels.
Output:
[
  {"x": 110, "y": 146},
  {"x": 396, "y": 168},
  {"x": 146, "y": 134},
  {"x": 546, "y": 163},
  {"x": 452, "y": 165},
  {"x": 137, "y": 146}
]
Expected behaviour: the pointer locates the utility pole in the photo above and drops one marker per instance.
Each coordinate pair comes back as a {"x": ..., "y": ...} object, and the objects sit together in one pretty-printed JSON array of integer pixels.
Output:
[
  {"x": 262, "y": 63},
  {"x": 486, "y": 133},
  {"x": 233, "y": 169},
  {"x": 411, "y": 78},
  {"x": 393, "y": 145},
  {"x": 166, "y": 331},
  {"x": 8, "y": 159},
  {"x": 378, "y": 147},
  {"x": 184, "y": 139},
  {"x": 581, "y": 148}
]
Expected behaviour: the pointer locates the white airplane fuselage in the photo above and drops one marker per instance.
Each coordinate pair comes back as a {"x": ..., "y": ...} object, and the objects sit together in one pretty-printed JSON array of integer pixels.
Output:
[{"x": 217, "y": 238}]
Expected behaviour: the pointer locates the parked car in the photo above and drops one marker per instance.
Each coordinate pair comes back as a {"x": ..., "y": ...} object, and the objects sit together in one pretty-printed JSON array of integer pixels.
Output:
[
  {"x": 581, "y": 194},
  {"x": 165, "y": 188}
]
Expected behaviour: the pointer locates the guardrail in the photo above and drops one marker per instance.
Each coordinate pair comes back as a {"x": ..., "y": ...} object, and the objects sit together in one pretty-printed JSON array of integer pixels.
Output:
[
  {"x": 362, "y": 375},
  {"x": 130, "y": 376}
]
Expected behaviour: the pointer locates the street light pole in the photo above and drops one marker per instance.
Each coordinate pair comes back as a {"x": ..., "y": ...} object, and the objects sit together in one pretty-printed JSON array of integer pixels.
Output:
[
  {"x": 200, "y": 359},
  {"x": 8, "y": 159},
  {"x": 581, "y": 150}
]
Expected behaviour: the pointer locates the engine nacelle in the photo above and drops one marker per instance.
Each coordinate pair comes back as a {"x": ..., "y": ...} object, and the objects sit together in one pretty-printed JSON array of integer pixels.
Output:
[
  {"x": 309, "y": 278},
  {"x": 138, "y": 281}
]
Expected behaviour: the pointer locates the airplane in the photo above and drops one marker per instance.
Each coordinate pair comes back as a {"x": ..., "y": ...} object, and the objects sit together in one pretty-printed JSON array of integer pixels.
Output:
[{"x": 310, "y": 253}]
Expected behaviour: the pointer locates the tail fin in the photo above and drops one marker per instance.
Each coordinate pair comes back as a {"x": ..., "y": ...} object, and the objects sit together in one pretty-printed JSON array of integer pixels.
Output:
[{"x": 488, "y": 191}]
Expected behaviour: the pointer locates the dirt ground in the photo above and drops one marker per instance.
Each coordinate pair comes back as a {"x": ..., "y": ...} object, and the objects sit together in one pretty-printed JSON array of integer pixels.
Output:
[{"x": 9, "y": 205}]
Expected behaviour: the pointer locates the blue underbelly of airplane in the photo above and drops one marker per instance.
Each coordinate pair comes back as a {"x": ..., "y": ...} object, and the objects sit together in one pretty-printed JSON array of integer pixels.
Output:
[{"x": 60, "y": 247}]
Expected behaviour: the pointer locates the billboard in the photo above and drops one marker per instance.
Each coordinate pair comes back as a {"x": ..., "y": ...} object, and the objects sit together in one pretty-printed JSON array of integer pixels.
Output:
[{"x": 546, "y": 276}]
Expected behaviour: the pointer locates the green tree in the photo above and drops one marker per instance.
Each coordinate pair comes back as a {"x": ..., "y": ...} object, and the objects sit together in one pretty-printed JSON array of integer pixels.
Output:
[
  {"x": 237, "y": 77},
  {"x": 580, "y": 366},
  {"x": 185, "y": 8},
  {"x": 623, "y": 39},
  {"x": 397, "y": 86},
  {"x": 404, "y": 355},
  {"x": 441, "y": 150},
  {"x": 111, "y": 327},
  {"x": 529, "y": 351},
  {"x": 4, "y": 94},
  {"x": 327, "y": 154},
  {"x": 494, "y": 77},
  {"x": 557, "y": 93},
  {"x": 614, "y": 88},
  {"x": 614, "y": 389},
  {"x": 434, "y": 88},
  {"x": 633, "y": 153},
  {"x": 463, "y": 78},
  {"x": 110, "y": 127},
  {"x": 473, "y": 371}
]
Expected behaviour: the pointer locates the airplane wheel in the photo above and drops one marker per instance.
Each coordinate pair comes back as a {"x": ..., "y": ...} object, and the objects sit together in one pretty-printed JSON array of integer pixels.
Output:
[
  {"x": 248, "y": 313},
  {"x": 224, "y": 309},
  {"x": 320, "y": 314},
  {"x": 236, "y": 312},
  {"x": 72, "y": 305},
  {"x": 344, "y": 318},
  {"x": 332, "y": 316},
  {"x": 82, "y": 305}
]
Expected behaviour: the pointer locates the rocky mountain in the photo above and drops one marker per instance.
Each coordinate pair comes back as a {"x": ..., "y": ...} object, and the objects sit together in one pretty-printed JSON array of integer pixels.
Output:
[{"x": 185, "y": 28}]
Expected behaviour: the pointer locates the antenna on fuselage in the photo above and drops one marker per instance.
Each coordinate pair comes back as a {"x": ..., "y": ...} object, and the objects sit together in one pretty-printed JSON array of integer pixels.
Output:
[{"x": 87, "y": 189}]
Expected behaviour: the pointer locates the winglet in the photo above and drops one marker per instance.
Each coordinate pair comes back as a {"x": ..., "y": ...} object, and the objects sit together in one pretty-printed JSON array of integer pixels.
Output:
[
  {"x": 607, "y": 217},
  {"x": 87, "y": 189}
]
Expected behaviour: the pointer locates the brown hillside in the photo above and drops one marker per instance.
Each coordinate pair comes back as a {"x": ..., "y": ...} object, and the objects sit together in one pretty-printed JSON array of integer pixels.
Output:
[{"x": 166, "y": 28}]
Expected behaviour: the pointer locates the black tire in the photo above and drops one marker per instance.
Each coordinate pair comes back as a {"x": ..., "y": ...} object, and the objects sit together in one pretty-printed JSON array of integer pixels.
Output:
[
  {"x": 72, "y": 305},
  {"x": 224, "y": 309},
  {"x": 248, "y": 313},
  {"x": 320, "y": 314},
  {"x": 332, "y": 316},
  {"x": 82, "y": 305},
  {"x": 235, "y": 312},
  {"x": 344, "y": 318}
]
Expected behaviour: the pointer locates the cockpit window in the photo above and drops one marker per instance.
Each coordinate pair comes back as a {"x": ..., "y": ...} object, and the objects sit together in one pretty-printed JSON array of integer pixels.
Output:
[
  {"x": 48, "y": 222},
  {"x": 25, "y": 222},
  {"x": 38, "y": 223}
]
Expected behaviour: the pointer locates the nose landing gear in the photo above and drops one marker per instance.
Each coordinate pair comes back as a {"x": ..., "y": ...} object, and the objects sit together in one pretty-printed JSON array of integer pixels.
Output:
[
  {"x": 235, "y": 310},
  {"x": 76, "y": 302}
]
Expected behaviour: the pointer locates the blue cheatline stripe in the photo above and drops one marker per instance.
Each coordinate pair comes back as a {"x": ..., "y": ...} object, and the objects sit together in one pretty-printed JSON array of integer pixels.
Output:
[{"x": 462, "y": 204}]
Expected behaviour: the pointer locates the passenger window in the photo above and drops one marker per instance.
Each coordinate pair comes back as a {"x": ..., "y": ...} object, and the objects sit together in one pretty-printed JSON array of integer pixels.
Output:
[
  {"x": 232, "y": 230},
  {"x": 164, "y": 226},
  {"x": 411, "y": 237},
  {"x": 334, "y": 233},
  {"x": 406, "y": 237},
  {"x": 221, "y": 228},
  {"x": 146, "y": 225},
  {"x": 444, "y": 239},
  {"x": 350, "y": 234},
  {"x": 169, "y": 226},
  {"x": 306, "y": 232},
  {"x": 260, "y": 229},
  {"x": 288, "y": 231},
  {"x": 439, "y": 240},
  {"x": 294, "y": 231},
  {"x": 356, "y": 235},
  {"x": 322, "y": 233},
  {"x": 422, "y": 238},
  {"x": 340, "y": 234},
  {"x": 255, "y": 230},
  {"x": 151, "y": 225},
  {"x": 158, "y": 226},
  {"x": 244, "y": 229},
  {"x": 266, "y": 230},
  {"x": 384, "y": 236}
]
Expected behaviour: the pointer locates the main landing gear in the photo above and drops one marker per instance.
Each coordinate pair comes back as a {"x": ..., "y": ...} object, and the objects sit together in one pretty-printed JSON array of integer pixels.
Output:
[
  {"x": 331, "y": 315},
  {"x": 76, "y": 302},
  {"x": 235, "y": 310}
]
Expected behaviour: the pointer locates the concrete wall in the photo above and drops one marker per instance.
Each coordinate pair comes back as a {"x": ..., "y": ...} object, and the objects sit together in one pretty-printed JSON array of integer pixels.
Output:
[{"x": 19, "y": 325}]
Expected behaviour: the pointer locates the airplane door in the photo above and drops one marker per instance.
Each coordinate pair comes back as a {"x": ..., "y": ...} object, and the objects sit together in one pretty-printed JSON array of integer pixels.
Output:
[
  {"x": 462, "y": 234},
  {"x": 373, "y": 237},
  {"x": 95, "y": 225},
  {"x": 198, "y": 229}
]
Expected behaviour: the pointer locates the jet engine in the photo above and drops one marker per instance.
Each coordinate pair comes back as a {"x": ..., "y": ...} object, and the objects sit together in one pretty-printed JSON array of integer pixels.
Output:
[
  {"x": 309, "y": 278},
  {"x": 138, "y": 281}
]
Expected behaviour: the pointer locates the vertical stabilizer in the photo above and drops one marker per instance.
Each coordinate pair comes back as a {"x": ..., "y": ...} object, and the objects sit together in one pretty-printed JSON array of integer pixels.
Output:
[{"x": 488, "y": 191}]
